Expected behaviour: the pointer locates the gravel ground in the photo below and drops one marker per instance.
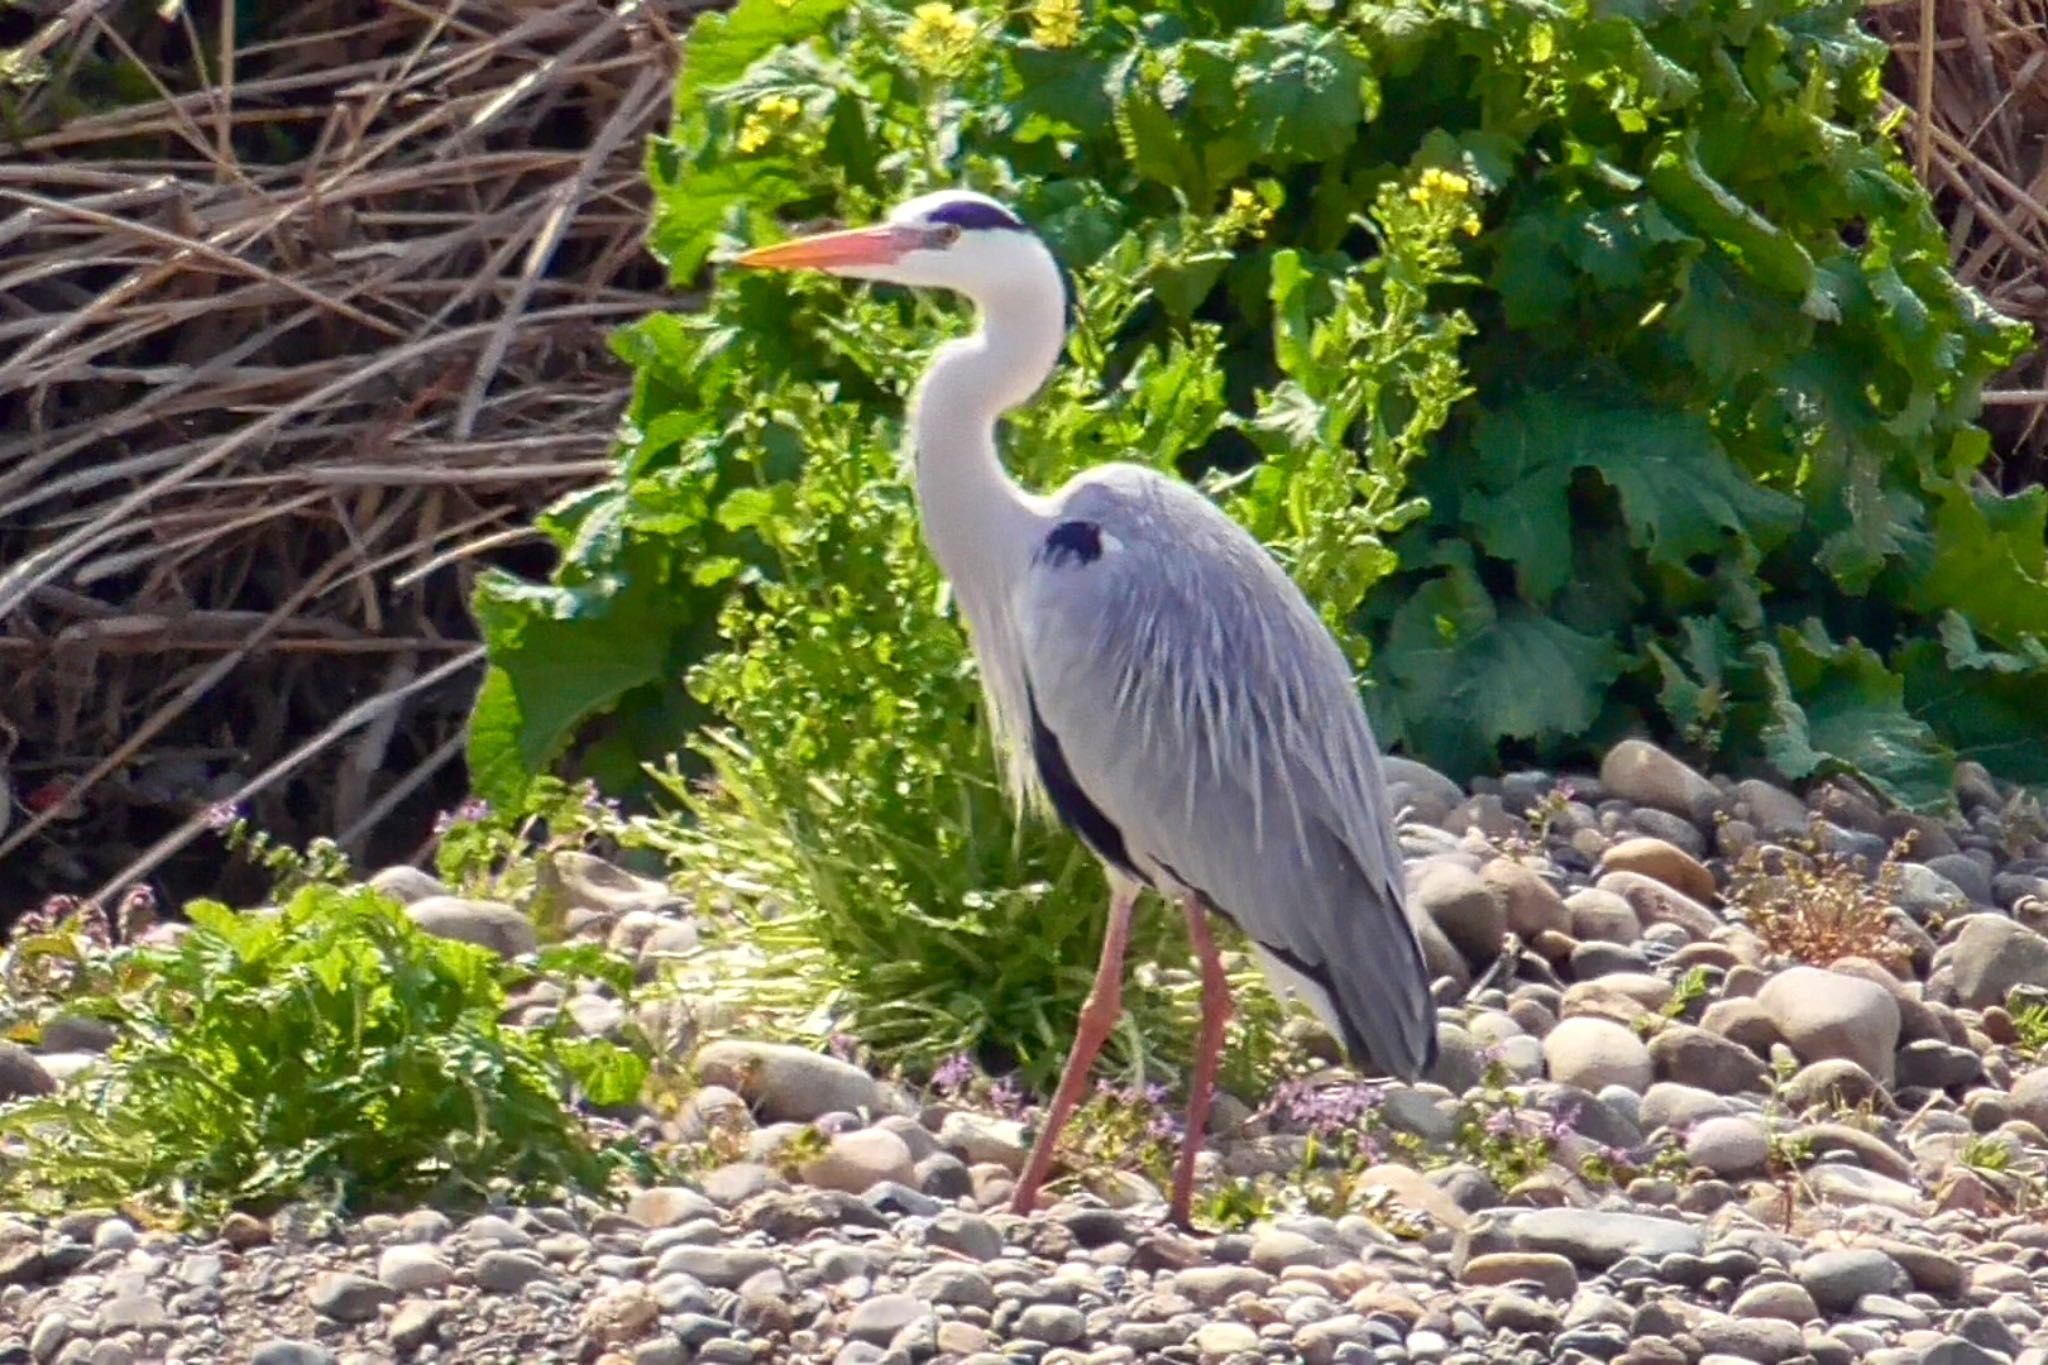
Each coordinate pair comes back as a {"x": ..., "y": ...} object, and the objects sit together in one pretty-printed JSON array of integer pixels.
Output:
[{"x": 1851, "y": 1156}]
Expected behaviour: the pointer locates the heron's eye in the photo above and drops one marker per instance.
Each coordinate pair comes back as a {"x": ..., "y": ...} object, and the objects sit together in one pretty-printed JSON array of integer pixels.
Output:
[{"x": 943, "y": 235}]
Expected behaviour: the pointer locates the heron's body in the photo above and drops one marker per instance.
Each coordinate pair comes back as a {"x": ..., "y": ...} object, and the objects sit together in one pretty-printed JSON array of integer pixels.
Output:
[
  {"x": 1153, "y": 676},
  {"x": 1189, "y": 716}
]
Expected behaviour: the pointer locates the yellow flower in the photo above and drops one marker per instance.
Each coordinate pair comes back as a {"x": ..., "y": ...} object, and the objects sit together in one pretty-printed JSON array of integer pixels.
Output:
[
  {"x": 940, "y": 38},
  {"x": 1440, "y": 185},
  {"x": 766, "y": 120},
  {"x": 1246, "y": 212},
  {"x": 1056, "y": 23}
]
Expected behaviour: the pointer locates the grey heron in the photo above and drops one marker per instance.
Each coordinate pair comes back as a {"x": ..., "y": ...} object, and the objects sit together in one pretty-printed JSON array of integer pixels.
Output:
[{"x": 1152, "y": 675}]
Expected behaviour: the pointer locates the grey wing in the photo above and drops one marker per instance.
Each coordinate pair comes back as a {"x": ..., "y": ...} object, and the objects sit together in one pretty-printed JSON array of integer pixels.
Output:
[{"x": 1195, "y": 722}]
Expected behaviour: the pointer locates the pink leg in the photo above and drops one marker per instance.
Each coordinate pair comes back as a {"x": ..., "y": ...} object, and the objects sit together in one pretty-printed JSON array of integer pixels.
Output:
[
  {"x": 1098, "y": 1017},
  {"x": 1215, "y": 1013}
]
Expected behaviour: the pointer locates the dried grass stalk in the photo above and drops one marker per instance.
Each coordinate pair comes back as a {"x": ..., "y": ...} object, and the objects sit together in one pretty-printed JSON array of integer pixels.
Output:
[
  {"x": 1971, "y": 79},
  {"x": 286, "y": 346}
]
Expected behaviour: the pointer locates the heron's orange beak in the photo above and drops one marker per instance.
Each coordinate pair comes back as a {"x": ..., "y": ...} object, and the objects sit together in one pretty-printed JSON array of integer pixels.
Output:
[{"x": 881, "y": 245}]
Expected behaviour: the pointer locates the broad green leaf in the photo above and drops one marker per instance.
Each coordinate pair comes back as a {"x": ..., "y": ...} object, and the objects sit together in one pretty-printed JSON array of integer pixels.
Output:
[
  {"x": 1839, "y": 708},
  {"x": 722, "y": 45},
  {"x": 1990, "y": 561},
  {"x": 1457, "y": 672},
  {"x": 1679, "y": 492},
  {"x": 1987, "y": 703}
]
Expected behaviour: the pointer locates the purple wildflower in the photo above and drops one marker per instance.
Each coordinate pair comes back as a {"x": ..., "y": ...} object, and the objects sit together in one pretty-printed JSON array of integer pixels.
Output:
[
  {"x": 1562, "y": 1125},
  {"x": 1007, "y": 1099},
  {"x": 1164, "y": 1127},
  {"x": 1502, "y": 1123},
  {"x": 842, "y": 1046},
  {"x": 953, "y": 1074},
  {"x": 222, "y": 816},
  {"x": 1327, "y": 1112},
  {"x": 473, "y": 810}
]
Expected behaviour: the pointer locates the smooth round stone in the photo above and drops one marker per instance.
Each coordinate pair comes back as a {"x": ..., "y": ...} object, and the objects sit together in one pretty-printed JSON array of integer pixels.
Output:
[
  {"x": 347, "y": 1297},
  {"x": 1056, "y": 1324},
  {"x": 1217, "y": 1341},
  {"x": 1838, "y": 1279},
  {"x": 508, "y": 1272},
  {"x": 411, "y": 1268},
  {"x": 1730, "y": 1146},
  {"x": 880, "y": 1318},
  {"x": 280, "y": 1351},
  {"x": 1779, "y": 1299}
]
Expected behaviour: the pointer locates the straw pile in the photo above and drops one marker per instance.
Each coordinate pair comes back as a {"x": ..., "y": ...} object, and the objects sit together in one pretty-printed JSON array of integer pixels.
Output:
[
  {"x": 287, "y": 343},
  {"x": 302, "y": 325}
]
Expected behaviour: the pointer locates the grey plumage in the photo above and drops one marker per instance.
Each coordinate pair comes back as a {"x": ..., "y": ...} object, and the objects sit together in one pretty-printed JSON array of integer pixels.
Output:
[
  {"x": 1152, "y": 676},
  {"x": 1202, "y": 706}
]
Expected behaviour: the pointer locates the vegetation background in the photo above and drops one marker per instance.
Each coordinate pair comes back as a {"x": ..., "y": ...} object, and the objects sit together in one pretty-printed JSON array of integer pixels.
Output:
[
  {"x": 1596, "y": 370},
  {"x": 375, "y": 444}
]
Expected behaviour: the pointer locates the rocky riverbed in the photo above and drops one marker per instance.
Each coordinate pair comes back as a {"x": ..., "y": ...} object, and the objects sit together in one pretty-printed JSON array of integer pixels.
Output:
[{"x": 1746, "y": 1156}]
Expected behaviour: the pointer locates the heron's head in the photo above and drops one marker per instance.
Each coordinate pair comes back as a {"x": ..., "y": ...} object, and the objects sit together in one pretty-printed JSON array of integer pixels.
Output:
[{"x": 950, "y": 239}]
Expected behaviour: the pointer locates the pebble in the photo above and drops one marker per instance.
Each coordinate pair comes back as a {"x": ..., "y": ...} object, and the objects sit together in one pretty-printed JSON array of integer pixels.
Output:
[
  {"x": 1591, "y": 1052},
  {"x": 892, "y": 1243},
  {"x": 501, "y": 928},
  {"x": 1827, "y": 1015},
  {"x": 347, "y": 1297}
]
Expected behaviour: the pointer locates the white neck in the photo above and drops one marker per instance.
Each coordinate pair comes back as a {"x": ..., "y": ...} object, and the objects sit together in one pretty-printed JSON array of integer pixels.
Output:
[{"x": 976, "y": 519}]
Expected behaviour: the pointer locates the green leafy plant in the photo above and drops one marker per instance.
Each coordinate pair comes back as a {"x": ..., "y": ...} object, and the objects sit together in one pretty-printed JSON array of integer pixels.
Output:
[
  {"x": 846, "y": 803},
  {"x": 321, "y": 862},
  {"x": 1593, "y": 370},
  {"x": 328, "y": 1050},
  {"x": 2029, "y": 1016},
  {"x": 493, "y": 851}
]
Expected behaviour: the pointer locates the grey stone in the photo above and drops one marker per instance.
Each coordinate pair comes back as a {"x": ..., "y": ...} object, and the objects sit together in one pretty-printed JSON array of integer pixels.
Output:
[
  {"x": 721, "y": 1267},
  {"x": 1731, "y": 1146},
  {"x": 1992, "y": 955},
  {"x": 1468, "y": 911},
  {"x": 417, "y": 1322},
  {"x": 953, "y": 1284},
  {"x": 1590, "y": 1052},
  {"x": 51, "y": 1331},
  {"x": 21, "y": 1074},
  {"x": 1597, "y": 1239},
  {"x": 790, "y": 1084},
  {"x": 970, "y": 1234},
  {"x": 1935, "y": 1065},
  {"x": 347, "y": 1297},
  {"x": 880, "y": 1318},
  {"x": 1765, "y": 1340},
  {"x": 1056, "y": 1324},
  {"x": 1636, "y": 770},
  {"x": 487, "y": 924},
  {"x": 1958, "y": 1351},
  {"x": 282, "y": 1351},
  {"x": 407, "y": 884},
  {"x": 1781, "y": 1299},
  {"x": 1696, "y": 1057},
  {"x": 1965, "y": 873},
  {"x": 1838, "y": 1279},
  {"x": 134, "y": 1312},
  {"x": 1823, "y": 1014},
  {"x": 508, "y": 1272}
]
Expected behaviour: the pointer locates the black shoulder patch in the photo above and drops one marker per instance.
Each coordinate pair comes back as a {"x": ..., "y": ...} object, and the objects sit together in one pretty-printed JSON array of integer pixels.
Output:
[
  {"x": 1078, "y": 542},
  {"x": 972, "y": 215}
]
